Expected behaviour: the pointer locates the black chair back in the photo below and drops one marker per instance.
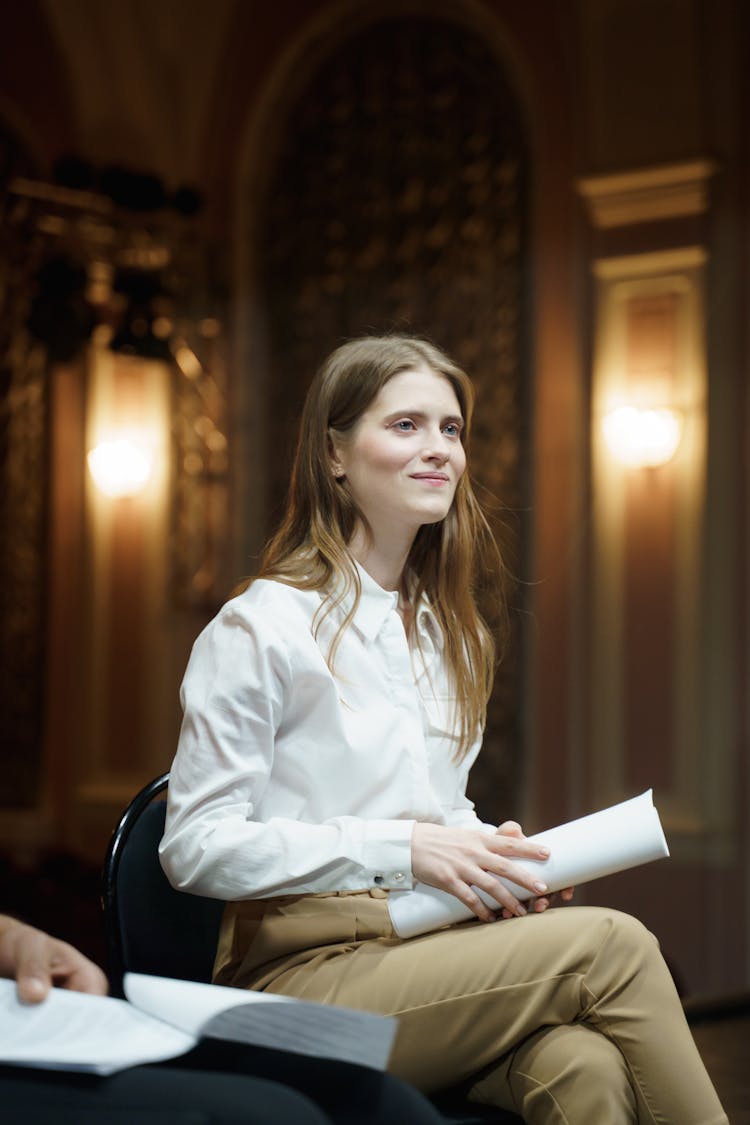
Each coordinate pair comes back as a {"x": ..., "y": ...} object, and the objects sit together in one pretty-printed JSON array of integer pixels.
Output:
[{"x": 149, "y": 926}]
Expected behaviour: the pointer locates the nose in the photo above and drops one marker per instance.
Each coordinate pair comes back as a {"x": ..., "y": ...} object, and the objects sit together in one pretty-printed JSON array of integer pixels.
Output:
[{"x": 437, "y": 449}]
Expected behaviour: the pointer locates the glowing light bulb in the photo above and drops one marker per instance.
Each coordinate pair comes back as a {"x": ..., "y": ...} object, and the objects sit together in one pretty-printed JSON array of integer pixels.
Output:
[
  {"x": 642, "y": 438},
  {"x": 121, "y": 466}
]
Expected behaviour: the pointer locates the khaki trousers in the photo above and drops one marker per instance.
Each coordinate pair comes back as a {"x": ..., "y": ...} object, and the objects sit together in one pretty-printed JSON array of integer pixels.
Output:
[{"x": 568, "y": 1016}]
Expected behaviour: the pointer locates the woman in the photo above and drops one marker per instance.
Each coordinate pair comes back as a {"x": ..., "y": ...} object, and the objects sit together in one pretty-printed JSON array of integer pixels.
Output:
[{"x": 332, "y": 711}]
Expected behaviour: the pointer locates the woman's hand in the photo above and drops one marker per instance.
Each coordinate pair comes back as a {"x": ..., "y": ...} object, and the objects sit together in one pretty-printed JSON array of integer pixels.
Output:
[
  {"x": 457, "y": 859},
  {"x": 38, "y": 961},
  {"x": 542, "y": 902}
]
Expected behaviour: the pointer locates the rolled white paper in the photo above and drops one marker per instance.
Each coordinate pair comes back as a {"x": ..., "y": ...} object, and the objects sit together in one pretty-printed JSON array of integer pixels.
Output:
[{"x": 622, "y": 836}]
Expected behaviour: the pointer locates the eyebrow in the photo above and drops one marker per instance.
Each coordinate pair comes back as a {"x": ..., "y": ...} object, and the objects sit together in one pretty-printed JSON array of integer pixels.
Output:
[{"x": 456, "y": 418}]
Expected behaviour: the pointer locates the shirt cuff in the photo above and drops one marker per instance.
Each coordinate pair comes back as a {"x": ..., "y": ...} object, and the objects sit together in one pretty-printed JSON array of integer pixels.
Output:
[{"x": 387, "y": 854}]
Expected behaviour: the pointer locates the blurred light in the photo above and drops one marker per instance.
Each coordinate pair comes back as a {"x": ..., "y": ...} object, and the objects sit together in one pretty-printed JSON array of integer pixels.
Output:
[
  {"x": 162, "y": 327},
  {"x": 642, "y": 438},
  {"x": 188, "y": 362},
  {"x": 121, "y": 466},
  {"x": 210, "y": 327}
]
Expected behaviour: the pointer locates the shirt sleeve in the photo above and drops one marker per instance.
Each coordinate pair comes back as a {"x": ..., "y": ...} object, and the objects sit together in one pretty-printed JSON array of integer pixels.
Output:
[
  {"x": 234, "y": 695},
  {"x": 460, "y": 813}
]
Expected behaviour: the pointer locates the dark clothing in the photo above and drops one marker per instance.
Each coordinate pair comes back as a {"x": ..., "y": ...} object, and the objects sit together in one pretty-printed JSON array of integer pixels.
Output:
[{"x": 217, "y": 1083}]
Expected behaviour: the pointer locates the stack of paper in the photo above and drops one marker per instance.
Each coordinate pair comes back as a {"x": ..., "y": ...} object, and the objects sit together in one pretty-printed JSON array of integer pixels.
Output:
[{"x": 164, "y": 1018}]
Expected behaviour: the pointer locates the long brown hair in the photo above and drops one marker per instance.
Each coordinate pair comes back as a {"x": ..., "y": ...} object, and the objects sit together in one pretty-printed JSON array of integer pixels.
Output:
[{"x": 448, "y": 560}]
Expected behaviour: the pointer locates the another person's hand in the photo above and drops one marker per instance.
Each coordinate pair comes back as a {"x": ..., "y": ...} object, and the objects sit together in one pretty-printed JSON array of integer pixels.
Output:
[
  {"x": 458, "y": 859},
  {"x": 38, "y": 961}
]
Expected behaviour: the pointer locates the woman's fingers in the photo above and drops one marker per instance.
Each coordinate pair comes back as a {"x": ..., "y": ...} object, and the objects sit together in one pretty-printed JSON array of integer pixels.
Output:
[
  {"x": 545, "y": 902},
  {"x": 509, "y": 828},
  {"x": 517, "y": 845},
  {"x": 470, "y": 898},
  {"x": 483, "y": 878},
  {"x": 499, "y": 864},
  {"x": 463, "y": 861}
]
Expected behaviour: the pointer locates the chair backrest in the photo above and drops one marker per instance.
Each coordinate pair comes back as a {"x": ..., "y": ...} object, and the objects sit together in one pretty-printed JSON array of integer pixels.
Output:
[{"x": 150, "y": 927}]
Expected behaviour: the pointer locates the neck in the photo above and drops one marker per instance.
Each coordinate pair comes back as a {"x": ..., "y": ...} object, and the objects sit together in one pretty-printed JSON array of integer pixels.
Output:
[{"x": 383, "y": 562}]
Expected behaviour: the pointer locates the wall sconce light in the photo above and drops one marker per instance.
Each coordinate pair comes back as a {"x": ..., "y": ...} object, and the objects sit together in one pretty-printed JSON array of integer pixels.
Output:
[
  {"x": 643, "y": 437},
  {"x": 121, "y": 465}
]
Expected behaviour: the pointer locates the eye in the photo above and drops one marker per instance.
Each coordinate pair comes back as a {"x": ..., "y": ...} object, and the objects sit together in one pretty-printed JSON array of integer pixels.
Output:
[
  {"x": 452, "y": 429},
  {"x": 404, "y": 425}
]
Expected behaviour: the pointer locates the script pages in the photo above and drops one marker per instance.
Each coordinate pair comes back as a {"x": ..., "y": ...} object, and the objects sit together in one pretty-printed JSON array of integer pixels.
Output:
[{"x": 164, "y": 1018}]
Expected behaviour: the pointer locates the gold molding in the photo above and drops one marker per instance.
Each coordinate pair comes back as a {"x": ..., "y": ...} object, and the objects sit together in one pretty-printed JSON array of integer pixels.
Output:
[
  {"x": 656, "y": 262},
  {"x": 647, "y": 195}
]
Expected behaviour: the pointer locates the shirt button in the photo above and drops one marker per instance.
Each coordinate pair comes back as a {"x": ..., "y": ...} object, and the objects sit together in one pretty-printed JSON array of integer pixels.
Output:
[
  {"x": 378, "y": 879},
  {"x": 398, "y": 877}
]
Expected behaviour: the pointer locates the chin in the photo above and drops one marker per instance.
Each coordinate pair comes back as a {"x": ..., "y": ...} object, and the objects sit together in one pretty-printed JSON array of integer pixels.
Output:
[{"x": 434, "y": 517}]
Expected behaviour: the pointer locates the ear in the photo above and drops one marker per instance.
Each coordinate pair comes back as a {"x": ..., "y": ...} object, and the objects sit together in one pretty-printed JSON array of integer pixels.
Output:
[{"x": 334, "y": 459}]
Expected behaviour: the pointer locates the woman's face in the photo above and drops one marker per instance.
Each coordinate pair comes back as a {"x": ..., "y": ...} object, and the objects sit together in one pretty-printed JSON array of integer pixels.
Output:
[{"x": 404, "y": 457}]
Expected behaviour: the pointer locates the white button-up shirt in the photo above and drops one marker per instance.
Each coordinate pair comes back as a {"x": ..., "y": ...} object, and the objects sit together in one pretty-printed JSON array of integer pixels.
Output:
[{"x": 290, "y": 778}]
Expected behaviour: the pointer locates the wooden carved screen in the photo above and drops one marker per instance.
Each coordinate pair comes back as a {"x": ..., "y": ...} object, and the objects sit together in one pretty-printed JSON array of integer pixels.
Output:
[
  {"x": 23, "y": 495},
  {"x": 398, "y": 203}
]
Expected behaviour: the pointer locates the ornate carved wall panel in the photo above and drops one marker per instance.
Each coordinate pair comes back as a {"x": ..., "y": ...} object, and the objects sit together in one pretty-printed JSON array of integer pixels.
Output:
[
  {"x": 398, "y": 203},
  {"x": 23, "y": 501},
  {"x": 108, "y": 327}
]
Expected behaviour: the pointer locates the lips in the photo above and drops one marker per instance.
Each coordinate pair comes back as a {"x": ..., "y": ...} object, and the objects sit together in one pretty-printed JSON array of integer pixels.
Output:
[{"x": 434, "y": 478}]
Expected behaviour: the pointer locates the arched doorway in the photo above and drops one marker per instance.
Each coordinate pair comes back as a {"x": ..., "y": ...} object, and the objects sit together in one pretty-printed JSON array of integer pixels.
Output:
[{"x": 398, "y": 201}]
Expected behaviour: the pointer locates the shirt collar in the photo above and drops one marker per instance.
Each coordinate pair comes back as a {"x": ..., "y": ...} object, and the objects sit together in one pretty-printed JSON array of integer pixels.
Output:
[
  {"x": 375, "y": 604},
  {"x": 428, "y": 626}
]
